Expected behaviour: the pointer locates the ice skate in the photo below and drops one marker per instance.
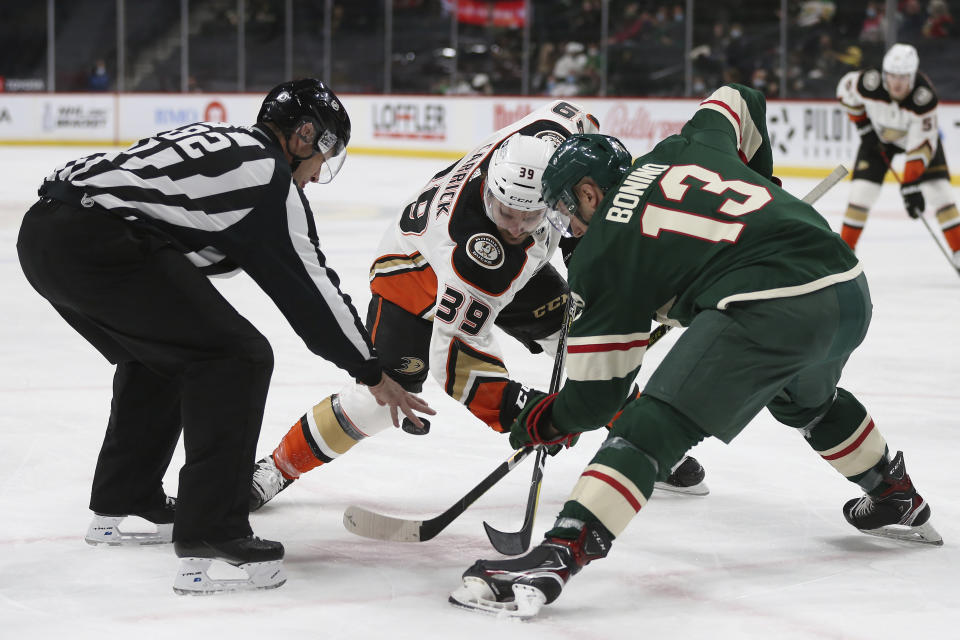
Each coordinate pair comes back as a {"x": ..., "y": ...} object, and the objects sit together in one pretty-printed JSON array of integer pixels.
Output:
[
  {"x": 267, "y": 483},
  {"x": 258, "y": 565},
  {"x": 899, "y": 512},
  {"x": 686, "y": 477},
  {"x": 105, "y": 527},
  {"x": 519, "y": 587}
]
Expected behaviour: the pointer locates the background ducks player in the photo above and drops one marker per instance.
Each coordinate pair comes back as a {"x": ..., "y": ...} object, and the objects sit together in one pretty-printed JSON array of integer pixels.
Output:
[{"x": 895, "y": 111}]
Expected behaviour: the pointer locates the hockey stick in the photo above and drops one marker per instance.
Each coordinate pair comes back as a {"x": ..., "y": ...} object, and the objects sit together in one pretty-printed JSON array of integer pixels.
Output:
[
  {"x": 839, "y": 173},
  {"x": 517, "y": 542},
  {"x": 933, "y": 236},
  {"x": 926, "y": 224},
  {"x": 368, "y": 524}
]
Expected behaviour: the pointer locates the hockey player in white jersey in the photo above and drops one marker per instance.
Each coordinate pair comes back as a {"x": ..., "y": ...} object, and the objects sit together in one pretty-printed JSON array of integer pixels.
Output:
[
  {"x": 895, "y": 111},
  {"x": 470, "y": 250}
]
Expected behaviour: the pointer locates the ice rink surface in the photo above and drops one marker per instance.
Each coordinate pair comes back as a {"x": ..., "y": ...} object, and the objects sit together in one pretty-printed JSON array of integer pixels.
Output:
[{"x": 766, "y": 555}]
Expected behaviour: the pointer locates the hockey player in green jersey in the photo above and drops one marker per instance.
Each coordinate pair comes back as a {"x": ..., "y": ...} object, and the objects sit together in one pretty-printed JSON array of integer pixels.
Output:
[{"x": 695, "y": 233}]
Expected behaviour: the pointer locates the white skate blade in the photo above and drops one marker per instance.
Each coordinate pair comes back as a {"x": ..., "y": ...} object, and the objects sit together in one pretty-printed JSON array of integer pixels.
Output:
[
  {"x": 106, "y": 530},
  {"x": 194, "y": 576},
  {"x": 475, "y": 595},
  {"x": 924, "y": 534},
  {"x": 699, "y": 489}
]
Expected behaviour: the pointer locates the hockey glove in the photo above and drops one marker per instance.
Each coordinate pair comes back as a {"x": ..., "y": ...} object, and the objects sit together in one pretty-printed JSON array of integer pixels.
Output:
[
  {"x": 912, "y": 199},
  {"x": 512, "y": 401},
  {"x": 533, "y": 426},
  {"x": 868, "y": 136}
]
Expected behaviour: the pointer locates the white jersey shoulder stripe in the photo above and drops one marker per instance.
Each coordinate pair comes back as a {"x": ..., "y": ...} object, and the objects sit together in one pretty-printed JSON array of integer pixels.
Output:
[
  {"x": 605, "y": 357},
  {"x": 161, "y": 160},
  {"x": 307, "y": 252},
  {"x": 789, "y": 292},
  {"x": 252, "y": 173},
  {"x": 728, "y": 102},
  {"x": 179, "y": 216}
]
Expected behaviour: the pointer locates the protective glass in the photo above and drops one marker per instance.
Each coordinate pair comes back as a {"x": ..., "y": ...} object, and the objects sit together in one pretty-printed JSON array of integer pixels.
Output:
[{"x": 516, "y": 221}]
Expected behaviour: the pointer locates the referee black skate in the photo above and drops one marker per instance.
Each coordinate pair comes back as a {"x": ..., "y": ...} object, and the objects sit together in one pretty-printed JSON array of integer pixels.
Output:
[{"x": 121, "y": 245}]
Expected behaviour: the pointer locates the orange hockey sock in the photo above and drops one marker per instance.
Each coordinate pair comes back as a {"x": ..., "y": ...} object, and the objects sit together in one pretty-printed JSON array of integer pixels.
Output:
[
  {"x": 293, "y": 456},
  {"x": 953, "y": 237},
  {"x": 851, "y": 235}
]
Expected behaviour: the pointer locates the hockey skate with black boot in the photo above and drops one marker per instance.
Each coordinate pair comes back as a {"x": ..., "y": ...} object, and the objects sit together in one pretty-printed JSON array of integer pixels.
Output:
[
  {"x": 267, "y": 482},
  {"x": 105, "y": 527},
  {"x": 519, "y": 587},
  {"x": 261, "y": 562},
  {"x": 685, "y": 477},
  {"x": 899, "y": 512}
]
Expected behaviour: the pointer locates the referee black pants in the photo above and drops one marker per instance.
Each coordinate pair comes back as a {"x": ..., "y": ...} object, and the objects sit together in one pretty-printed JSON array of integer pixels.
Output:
[{"x": 185, "y": 360}]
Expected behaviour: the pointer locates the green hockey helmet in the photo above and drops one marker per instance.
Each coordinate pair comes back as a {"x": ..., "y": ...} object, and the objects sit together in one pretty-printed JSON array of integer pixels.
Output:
[{"x": 602, "y": 158}]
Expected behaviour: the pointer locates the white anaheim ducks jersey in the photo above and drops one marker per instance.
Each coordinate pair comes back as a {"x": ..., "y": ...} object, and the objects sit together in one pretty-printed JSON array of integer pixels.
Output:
[
  {"x": 445, "y": 261},
  {"x": 910, "y": 124}
]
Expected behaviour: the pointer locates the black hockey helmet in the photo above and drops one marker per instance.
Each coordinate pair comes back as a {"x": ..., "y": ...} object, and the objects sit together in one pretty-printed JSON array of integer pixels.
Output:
[{"x": 290, "y": 105}]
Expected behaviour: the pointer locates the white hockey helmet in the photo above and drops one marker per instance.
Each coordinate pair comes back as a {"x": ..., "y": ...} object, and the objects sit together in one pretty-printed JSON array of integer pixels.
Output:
[
  {"x": 900, "y": 60},
  {"x": 513, "y": 197}
]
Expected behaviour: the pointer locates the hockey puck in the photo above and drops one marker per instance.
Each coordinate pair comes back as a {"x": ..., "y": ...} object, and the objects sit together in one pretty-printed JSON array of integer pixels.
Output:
[{"x": 408, "y": 426}]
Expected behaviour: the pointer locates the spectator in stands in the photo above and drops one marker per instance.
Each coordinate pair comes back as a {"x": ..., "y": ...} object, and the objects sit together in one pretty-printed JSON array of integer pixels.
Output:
[
  {"x": 910, "y": 20},
  {"x": 816, "y": 13},
  {"x": 739, "y": 55},
  {"x": 633, "y": 23},
  {"x": 766, "y": 82},
  {"x": 546, "y": 58},
  {"x": 569, "y": 70},
  {"x": 939, "y": 22},
  {"x": 874, "y": 23},
  {"x": 667, "y": 25},
  {"x": 590, "y": 81},
  {"x": 480, "y": 84},
  {"x": 99, "y": 79}
]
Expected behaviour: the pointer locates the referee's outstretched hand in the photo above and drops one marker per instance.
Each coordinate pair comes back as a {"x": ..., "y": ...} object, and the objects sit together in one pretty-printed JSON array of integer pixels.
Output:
[{"x": 389, "y": 392}]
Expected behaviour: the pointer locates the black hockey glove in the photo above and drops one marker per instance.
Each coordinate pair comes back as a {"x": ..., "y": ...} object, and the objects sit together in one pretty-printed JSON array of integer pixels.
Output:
[
  {"x": 511, "y": 402},
  {"x": 868, "y": 136},
  {"x": 533, "y": 426},
  {"x": 913, "y": 199}
]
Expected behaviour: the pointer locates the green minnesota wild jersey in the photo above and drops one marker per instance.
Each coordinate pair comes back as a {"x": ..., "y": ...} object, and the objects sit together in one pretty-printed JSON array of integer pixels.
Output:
[{"x": 696, "y": 224}]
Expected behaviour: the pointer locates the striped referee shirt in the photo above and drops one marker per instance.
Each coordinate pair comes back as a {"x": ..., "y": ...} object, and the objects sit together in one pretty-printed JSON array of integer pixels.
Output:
[{"x": 225, "y": 196}]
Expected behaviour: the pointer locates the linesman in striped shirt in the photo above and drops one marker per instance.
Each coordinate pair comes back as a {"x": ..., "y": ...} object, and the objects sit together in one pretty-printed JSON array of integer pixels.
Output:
[{"x": 121, "y": 245}]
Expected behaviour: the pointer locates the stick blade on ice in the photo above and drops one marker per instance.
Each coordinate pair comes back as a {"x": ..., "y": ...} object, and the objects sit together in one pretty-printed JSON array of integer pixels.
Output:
[{"x": 368, "y": 524}]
